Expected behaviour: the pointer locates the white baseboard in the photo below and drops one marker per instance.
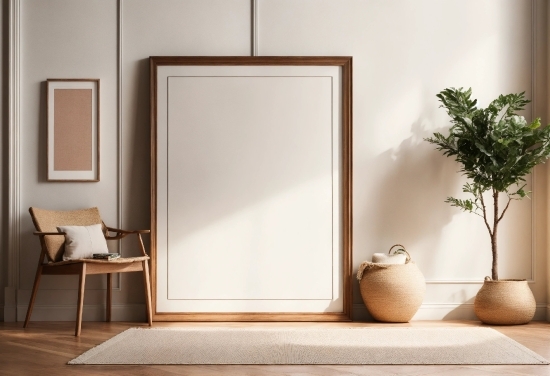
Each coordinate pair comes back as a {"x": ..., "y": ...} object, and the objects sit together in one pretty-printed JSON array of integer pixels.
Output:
[
  {"x": 445, "y": 311},
  {"x": 9, "y": 309},
  {"x": 136, "y": 312},
  {"x": 119, "y": 312}
]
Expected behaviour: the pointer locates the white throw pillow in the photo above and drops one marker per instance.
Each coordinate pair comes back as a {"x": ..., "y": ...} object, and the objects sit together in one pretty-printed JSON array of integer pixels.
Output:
[{"x": 83, "y": 241}]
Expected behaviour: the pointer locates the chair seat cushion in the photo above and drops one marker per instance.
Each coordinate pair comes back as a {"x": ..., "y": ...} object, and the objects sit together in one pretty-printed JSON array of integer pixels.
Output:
[{"x": 83, "y": 241}]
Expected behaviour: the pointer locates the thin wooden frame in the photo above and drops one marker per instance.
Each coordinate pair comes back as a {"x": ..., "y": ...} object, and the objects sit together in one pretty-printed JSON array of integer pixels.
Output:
[
  {"x": 345, "y": 64},
  {"x": 73, "y": 146}
]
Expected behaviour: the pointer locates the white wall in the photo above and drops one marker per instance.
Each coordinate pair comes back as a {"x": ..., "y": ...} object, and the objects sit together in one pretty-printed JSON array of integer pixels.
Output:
[{"x": 404, "y": 53}]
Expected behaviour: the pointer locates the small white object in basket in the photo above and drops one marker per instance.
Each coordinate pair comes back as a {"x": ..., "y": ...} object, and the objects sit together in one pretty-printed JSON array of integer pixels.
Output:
[{"x": 383, "y": 258}]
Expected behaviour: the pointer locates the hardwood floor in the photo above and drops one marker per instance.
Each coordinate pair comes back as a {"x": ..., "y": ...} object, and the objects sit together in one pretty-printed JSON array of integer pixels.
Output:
[{"x": 44, "y": 348}]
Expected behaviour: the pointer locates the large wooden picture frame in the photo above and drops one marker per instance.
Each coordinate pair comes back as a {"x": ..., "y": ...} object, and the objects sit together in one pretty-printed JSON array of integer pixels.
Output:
[
  {"x": 73, "y": 130},
  {"x": 251, "y": 183}
]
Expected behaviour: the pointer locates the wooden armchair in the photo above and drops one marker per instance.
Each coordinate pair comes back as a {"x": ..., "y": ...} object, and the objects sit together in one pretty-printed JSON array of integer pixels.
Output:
[{"x": 52, "y": 243}]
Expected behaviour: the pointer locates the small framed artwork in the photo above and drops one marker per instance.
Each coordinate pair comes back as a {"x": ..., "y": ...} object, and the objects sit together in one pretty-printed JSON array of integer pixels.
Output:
[{"x": 73, "y": 129}]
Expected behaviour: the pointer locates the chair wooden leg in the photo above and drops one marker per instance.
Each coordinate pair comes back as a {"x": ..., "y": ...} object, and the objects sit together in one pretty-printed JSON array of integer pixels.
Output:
[
  {"x": 33, "y": 295},
  {"x": 109, "y": 297},
  {"x": 81, "y": 285},
  {"x": 147, "y": 286}
]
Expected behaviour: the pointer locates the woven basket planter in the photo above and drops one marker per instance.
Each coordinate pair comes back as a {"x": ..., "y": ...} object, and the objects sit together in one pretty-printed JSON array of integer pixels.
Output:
[
  {"x": 392, "y": 292},
  {"x": 505, "y": 302}
]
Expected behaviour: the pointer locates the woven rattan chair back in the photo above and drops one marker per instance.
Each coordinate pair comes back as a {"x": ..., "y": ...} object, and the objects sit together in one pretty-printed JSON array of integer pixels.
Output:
[{"x": 48, "y": 220}]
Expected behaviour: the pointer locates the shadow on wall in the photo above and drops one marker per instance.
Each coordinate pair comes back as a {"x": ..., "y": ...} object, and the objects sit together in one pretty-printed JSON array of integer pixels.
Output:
[
  {"x": 137, "y": 155},
  {"x": 404, "y": 202},
  {"x": 414, "y": 180},
  {"x": 465, "y": 311},
  {"x": 42, "y": 123}
]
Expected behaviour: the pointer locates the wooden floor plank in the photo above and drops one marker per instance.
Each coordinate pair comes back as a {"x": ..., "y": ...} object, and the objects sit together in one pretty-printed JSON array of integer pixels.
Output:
[{"x": 44, "y": 348}]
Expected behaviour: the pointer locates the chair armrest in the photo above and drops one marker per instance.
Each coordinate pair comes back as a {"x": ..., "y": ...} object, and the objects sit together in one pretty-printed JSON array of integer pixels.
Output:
[
  {"x": 120, "y": 231},
  {"x": 39, "y": 233},
  {"x": 123, "y": 233}
]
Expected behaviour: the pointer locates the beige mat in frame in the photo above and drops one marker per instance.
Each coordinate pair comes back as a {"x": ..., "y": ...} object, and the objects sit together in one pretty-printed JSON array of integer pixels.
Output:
[{"x": 310, "y": 346}]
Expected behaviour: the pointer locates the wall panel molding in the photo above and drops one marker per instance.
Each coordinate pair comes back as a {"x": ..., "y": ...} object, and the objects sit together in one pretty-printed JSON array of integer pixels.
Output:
[
  {"x": 254, "y": 27},
  {"x": 534, "y": 101},
  {"x": 91, "y": 312},
  {"x": 445, "y": 311},
  {"x": 136, "y": 312},
  {"x": 119, "y": 115},
  {"x": 10, "y": 304},
  {"x": 119, "y": 129}
]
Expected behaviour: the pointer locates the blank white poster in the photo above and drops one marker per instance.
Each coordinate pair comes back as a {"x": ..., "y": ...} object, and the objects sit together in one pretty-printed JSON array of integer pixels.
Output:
[{"x": 249, "y": 189}]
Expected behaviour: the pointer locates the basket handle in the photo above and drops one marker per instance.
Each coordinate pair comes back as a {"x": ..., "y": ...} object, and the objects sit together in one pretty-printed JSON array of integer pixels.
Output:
[{"x": 400, "y": 250}]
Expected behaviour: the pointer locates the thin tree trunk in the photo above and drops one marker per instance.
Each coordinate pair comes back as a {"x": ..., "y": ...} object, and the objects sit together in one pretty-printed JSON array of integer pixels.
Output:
[{"x": 494, "y": 237}]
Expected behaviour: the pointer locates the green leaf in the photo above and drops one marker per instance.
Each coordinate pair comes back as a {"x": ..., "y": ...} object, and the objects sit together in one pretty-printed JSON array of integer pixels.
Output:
[
  {"x": 482, "y": 148},
  {"x": 535, "y": 124}
]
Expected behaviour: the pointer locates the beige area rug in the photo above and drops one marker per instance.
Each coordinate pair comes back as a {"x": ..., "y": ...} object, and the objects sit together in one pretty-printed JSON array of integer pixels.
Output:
[{"x": 310, "y": 346}]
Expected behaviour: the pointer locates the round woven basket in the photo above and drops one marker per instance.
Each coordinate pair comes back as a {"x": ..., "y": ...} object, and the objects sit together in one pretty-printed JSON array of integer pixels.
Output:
[
  {"x": 392, "y": 292},
  {"x": 505, "y": 302}
]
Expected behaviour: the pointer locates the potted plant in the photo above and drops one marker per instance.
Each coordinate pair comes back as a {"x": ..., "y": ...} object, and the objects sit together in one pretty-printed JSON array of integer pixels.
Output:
[{"x": 496, "y": 148}]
